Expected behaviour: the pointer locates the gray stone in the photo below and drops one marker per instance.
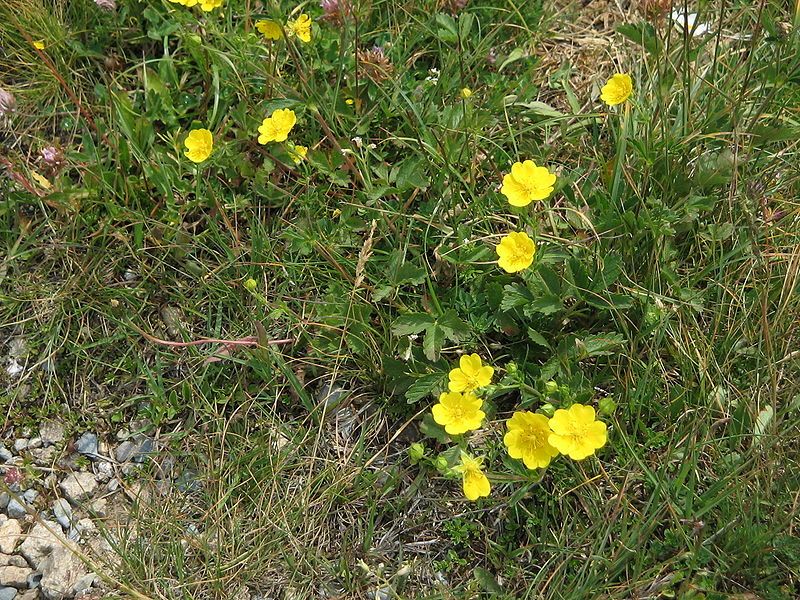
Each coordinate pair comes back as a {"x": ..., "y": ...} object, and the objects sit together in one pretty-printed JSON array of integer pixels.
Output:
[
  {"x": 78, "y": 486},
  {"x": 87, "y": 444},
  {"x": 113, "y": 485},
  {"x": 34, "y": 443},
  {"x": 8, "y": 593},
  {"x": 20, "y": 444},
  {"x": 61, "y": 571},
  {"x": 40, "y": 541},
  {"x": 16, "y": 577},
  {"x": 30, "y": 496},
  {"x": 10, "y": 534},
  {"x": 44, "y": 457},
  {"x": 4, "y": 498},
  {"x": 99, "y": 507},
  {"x": 28, "y": 595},
  {"x": 105, "y": 470},
  {"x": 63, "y": 513},
  {"x": 144, "y": 450},
  {"x": 15, "y": 510},
  {"x": 125, "y": 450},
  {"x": 5, "y": 454},
  {"x": 34, "y": 579},
  {"x": 52, "y": 432},
  {"x": 14, "y": 560},
  {"x": 84, "y": 583}
]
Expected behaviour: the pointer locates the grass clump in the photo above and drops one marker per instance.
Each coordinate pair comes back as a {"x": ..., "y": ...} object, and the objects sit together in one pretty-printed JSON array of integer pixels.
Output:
[{"x": 331, "y": 236}]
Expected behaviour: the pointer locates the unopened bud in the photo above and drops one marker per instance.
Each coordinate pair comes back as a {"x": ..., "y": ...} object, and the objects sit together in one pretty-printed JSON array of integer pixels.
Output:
[
  {"x": 551, "y": 387},
  {"x": 415, "y": 452}
]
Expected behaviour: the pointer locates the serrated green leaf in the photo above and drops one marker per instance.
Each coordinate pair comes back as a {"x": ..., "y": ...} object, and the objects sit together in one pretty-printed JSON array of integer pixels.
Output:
[
  {"x": 432, "y": 343},
  {"x": 546, "y": 305},
  {"x": 452, "y": 327},
  {"x": 411, "y": 324},
  {"x": 537, "y": 338},
  {"x": 515, "y": 296},
  {"x": 424, "y": 386}
]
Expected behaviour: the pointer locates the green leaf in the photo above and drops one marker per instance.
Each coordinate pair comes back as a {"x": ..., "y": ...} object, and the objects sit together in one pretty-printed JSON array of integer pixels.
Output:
[
  {"x": 601, "y": 344},
  {"x": 432, "y": 343},
  {"x": 424, "y": 386},
  {"x": 643, "y": 34},
  {"x": 546, "y": 305},
  {"x": 515, "y": 296},
  {"x": 411, "y": 324},
  {"x": 514, "y": 55},
  {"x": 410, "y": 174},
  {"x": 487, "y": 581},
  {"x": 430, "y": 428},
  {"x": 537, "y": 338},
  {"x": 447, "y": 28},
  {"x": 453, "y": 328}
]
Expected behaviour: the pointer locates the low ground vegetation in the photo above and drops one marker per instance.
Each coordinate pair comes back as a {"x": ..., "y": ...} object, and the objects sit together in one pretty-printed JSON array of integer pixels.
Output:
[{"x": 437, "y": 299}]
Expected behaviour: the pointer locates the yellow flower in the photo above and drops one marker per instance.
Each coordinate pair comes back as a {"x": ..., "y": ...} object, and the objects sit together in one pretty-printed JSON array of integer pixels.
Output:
[
  {"x": 298, "y": 153},
  {"x": 466, "y": 93},
  {"x": 476, "y": 484},
  {"x": 276, "y": 128},
  {"x": 470, "y": 375},
  {"x": 206, "y": 5},
  {"x": 617, "y": 89},
  {"x": 576, "y": 433},
  {"x": 38, "y": 44},
  {"x": 270, "y": 29},
  {"x": 527, "y": 438},
  {"x": 199, "y": 144},
  {"x": 458, "y": 413},
  {"x": 526, "y": 183},
  {"x": 301, "y": 27},
  {"x": 516, "y": 252}
]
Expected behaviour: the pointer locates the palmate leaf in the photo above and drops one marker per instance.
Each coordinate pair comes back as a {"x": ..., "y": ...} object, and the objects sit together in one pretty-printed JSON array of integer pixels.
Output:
[{"x": 448, "y": 326}]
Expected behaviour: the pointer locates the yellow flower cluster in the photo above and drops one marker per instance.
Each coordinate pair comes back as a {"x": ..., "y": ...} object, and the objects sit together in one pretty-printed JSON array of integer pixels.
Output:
[
  {"x": 300, "y": 27},
  {"x": 206, "y": 5},
  {"x": 275, "y": 128},
  {"x": 536, "y": 440}
]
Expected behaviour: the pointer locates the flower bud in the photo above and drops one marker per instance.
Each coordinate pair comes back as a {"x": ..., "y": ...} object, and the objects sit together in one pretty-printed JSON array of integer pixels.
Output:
[
  {"x": 551, "y": 387},
  {"x": 512, "y": 368},
  {"x": 109, "y": 5},
  {"x": 416, "y": 452},
  {"x": 441, "y": 464},
  {"x": 606, "y": 406},
  {"x": 250, "y": 285},
  {"x": 548, "y": 410}
]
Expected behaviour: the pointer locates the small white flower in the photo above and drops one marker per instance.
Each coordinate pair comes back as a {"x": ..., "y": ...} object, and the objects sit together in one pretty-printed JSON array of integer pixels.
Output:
[
  {"x": 371, "y": 146},
  {"x": 357, "y": 141},
  {"x": 689, "y": 21}
]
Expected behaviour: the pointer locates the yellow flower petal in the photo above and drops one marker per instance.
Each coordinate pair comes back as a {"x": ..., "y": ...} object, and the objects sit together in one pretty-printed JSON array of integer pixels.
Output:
[
  {"x": 617, "y": 89},
  {"x": 39, "y": 44},
  {"x": 301, "y": 27},
  {"x": 270, "y": 29},
  {"x": 576, "y": 433},
  {"x": 276, "y": 128},
  {"x": 458, "y": 413},
  {"x": 526, "y": 183},
  {"x": 199, "y": 145},
  {"x": 515, "y": 252}
]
